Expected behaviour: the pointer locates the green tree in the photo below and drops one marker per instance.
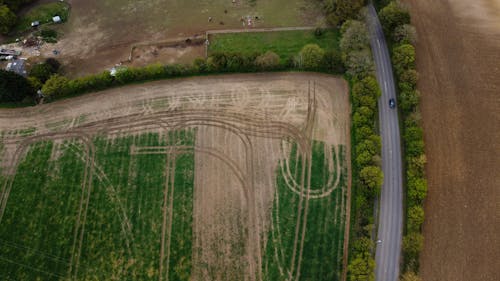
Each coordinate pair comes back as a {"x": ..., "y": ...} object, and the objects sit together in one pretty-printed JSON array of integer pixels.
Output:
[
  {"x": 54, "y": 64},
  {"x": 417, "y": 190},
  {"x": 372, "y": 177},
  {"x": 409, "y": 76},
  {"x": 362, "y": 268},
  {"x": 35, "y": 83},
  {"x": 403, "y": 58},
  {"x": 41, "y": 71},
  {"x": 410, "y": 276},
  {"x": 339, "y": 11},
  {"x": 415, "y": 218},
  {"x": 359, "y": 64},
  {"x": 362, "y": 117},
  {"x": 268, "y": 61},
  {"x": 7, "y": 19},
  {"x": 413, "y": 243},
  {"x": 311, "y": 56},
  {"x": 366, "y": 92},
  {"x": 332, "y": 62},
  {"x": 354, "y": 36},
  {"x": 393, "y": 15},
  {"x": 362, "y": 245},
  {"x": 405, "y": 34},
  {"x": 416, "y": 165},
  {"x": 364, "y": 132},
  {"x": 14, "y": 87},
  {"x": 409, "y": 100},
  {"x": 56, "y": 86}
]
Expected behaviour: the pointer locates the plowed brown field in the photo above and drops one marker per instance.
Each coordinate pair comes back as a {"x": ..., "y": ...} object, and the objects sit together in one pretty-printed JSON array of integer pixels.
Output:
[{"x": 458, "y": 56}]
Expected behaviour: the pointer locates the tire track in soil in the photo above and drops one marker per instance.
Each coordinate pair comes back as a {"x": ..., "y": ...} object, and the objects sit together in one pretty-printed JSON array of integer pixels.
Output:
[{"x": 248, "y": 125}]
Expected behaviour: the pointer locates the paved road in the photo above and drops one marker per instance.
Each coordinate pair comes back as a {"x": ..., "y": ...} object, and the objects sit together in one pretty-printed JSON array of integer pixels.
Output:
[{"x": 391, "y": 200}]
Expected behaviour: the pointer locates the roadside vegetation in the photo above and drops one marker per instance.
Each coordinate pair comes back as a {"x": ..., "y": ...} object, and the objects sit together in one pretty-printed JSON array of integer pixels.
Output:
[{"x": 395, "y": 19}]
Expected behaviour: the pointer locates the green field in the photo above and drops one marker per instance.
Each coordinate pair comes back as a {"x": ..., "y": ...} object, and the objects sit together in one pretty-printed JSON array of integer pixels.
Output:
[
  {"x": 49, "y": 233},
  {"x": 283, "y": 43},
  {"x": 323, "y": 241}
]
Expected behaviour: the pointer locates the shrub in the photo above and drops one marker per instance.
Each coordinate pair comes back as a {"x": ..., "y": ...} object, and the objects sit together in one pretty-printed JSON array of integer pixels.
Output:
[
  {"x": 54, "y": 64},
  {"x": 7, "y": 19},
  {"x": 417, "y": 190},
  {"x": 332, "y": 62},
  {"x": 362, "y": 268},
  {"x": 409, "y": 77},
  {"x": 49, "y": 35},
  {"x": 354, "y": 36},
  {"x": 405, "y": 34},
  {"x": 409, "y": 100},
  {"x": 372, "y": 177},
  {"x": 268, "y": 61},
  {"x": 412, "y": 245},
  {"x": 57, "y": 86},
  {"x": 415, "y": 218},
  {"x": 410, "y": 276},
  {"x": 359, "y": 64},
  {"x": 14, "y": 87},
  {"x": 35, "y": 83},
  {"x": 403, "y": 58},
  {"x": 366, "y": 92},
  {"x": 42, "y": 71},
  {"x": 393, "y": 15},
  {"x": 311, "y": 56},
  {"x": 362, "y": 245}
]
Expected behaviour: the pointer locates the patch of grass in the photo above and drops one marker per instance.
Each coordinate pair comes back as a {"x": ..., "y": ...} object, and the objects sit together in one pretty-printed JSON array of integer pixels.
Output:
[
  {"x": 283, "y": 43},
  {"x": 43, "y": 13},
  {"x": 124, "y": 218},
  {"x": 36, "y": 232}
]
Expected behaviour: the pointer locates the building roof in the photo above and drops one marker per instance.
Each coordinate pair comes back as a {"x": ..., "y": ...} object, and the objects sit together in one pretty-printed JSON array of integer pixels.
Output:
[
  {"x": 17, "y": 66},
  {"x": 56, "y": 19}
]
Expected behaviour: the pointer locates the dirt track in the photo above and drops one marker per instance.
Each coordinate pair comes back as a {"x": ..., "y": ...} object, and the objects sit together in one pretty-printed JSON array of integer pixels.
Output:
[
  {"x": 240, "y": 121},
  {"x": 458, "y": 56}
]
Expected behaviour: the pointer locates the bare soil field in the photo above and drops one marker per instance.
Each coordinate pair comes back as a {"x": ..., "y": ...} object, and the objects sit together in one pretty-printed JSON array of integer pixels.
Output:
[
  {"x": 210, "y": 153},
  {"x": 99, "y": 34},
  {"x": 458, "y": 57}
]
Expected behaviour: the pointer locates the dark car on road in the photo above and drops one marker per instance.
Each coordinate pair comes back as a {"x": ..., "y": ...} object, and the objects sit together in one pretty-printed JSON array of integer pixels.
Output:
[{"x": 392, "y": 103}]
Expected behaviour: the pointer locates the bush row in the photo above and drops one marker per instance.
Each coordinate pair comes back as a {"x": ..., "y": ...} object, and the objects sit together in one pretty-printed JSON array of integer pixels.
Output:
[
  {"x": 367, "y": 174},
  {"x": 395, "y": 19},
  {"x": 311, "y": 57}
]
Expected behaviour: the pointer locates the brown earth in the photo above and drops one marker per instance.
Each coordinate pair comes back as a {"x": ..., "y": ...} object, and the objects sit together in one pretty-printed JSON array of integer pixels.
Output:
[
  {"x": 241, "y": 122},
  {"x": 100, "y": 33},
  {"x": 458, "y": 57}
]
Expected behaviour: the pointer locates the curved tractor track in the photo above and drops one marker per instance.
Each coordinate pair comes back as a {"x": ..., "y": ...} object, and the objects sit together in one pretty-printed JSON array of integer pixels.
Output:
[{"x": 169, "y": 113}]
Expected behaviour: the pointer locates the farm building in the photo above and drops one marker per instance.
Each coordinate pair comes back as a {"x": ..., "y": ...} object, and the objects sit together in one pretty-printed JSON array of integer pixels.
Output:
[{"x": 17, "y": 66}]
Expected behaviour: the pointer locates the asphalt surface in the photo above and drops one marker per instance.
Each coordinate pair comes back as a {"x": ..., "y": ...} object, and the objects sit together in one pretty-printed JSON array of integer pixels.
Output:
[{"x": 390, "y": 218}]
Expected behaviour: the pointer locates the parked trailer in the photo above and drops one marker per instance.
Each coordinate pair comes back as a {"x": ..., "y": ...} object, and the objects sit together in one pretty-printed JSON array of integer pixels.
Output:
[{"x": 6, "y": 52}]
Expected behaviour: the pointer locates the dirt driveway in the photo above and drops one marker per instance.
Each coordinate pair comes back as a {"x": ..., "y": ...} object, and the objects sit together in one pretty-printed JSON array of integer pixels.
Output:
[{"x": 458, "y": 56}]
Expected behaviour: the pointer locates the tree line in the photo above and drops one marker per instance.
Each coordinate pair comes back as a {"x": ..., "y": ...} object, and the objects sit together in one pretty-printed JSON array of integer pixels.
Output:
[
  {"x": 395, "y": 20},
  {"x": 8, "y": 10}
]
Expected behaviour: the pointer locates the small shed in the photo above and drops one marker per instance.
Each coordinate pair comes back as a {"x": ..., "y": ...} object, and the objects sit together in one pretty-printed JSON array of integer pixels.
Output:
[
  {"x": 17, "y": 66},
  {"x": 56, "y": 19},
  {"x": 35, "y": 24}
]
